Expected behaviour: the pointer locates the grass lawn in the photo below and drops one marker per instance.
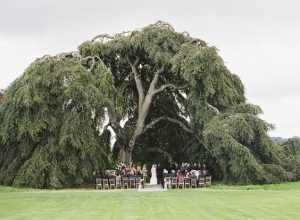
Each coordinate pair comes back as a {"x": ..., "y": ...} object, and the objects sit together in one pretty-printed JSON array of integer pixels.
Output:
[{"x": 280, "y": 201}]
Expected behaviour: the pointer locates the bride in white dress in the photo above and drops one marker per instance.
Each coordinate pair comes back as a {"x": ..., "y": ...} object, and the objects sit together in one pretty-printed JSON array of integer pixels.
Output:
[{"x": 153, "y": 180}]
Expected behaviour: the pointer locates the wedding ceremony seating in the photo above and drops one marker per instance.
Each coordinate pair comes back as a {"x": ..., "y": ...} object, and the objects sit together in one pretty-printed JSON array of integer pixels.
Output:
[{"x": 186, "y": 177}]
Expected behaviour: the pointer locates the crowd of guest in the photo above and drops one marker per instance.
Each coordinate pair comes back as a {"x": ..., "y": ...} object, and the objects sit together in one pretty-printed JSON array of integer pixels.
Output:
[
  {"x": 186, "y": 172},
  {"x": 124, "y": 172},
  {"x": 183, "y": 173}
]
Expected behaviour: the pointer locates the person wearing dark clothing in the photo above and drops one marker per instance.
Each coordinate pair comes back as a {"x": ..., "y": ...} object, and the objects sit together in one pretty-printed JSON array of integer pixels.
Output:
[
  {"x": 159, "y": 173},
  {"x": 194, "y": 166},
  {"x": 173, "y": 173},
  {"x": 204, "y": 170}
]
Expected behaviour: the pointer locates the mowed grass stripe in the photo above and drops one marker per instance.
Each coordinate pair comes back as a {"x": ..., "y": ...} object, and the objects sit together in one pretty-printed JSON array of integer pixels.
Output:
[{"x": 283, "y": 202}]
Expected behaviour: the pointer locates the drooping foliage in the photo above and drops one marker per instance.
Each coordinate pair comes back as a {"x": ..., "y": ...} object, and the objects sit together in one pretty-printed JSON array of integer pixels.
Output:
[
  {"x": 49, "y": 134},
  {"x": 245, "y": 152},
  {"x": 166, "y": 96},
  {"x": 1, "y": 97}
]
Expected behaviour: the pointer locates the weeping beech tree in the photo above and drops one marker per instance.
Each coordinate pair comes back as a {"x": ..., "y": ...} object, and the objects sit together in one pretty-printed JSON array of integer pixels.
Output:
[
  {"x": 50, "y": 118},
  {"x": 157, "y": 62},
  {"x": 164, "y": 94}
]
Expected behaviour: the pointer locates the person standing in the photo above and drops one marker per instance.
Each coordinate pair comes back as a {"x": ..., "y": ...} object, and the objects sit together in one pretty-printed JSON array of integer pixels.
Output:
[
  {"x": 153, "y": 180},
  {"x": 159, "y": 173}
]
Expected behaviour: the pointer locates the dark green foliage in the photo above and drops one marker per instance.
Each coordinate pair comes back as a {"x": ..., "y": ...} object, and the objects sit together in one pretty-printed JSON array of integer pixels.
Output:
[
  {"x": 245, "y": 152},
  {"x": 52, "y": 115},
  {"x": 49, "y": 119},
  {"x": 227, "y": 132},
  {"x": 291, "y": 148}
]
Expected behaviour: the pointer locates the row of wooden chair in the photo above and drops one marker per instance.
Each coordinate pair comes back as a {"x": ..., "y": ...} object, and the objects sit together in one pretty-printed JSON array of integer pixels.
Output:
[
  {"x": 114, "y": 183},
  {"x": 173, "y": 182}
]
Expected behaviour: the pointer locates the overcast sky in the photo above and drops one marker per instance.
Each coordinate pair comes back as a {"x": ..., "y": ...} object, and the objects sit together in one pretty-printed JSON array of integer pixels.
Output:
[{"x": 258, "y": 40}]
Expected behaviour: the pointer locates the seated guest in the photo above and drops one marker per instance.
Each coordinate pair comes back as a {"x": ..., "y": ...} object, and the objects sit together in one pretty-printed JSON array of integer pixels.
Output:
[
  {"x": 188, "y": 167},
  {"x": 204, "y": 171},
  {"x": 112, "y": 175},
  {"x": 105, "y": 175},
  {"x": 192, "y": 175},
  {"x": 164, "y": 175},
  {"x": 180, "y": 175},
  {"x": 194, "y": 166},
  {"x": 133, "y": 170},
  {"x": 173, "y": 173},
  {"x": 98, "y": 174}
]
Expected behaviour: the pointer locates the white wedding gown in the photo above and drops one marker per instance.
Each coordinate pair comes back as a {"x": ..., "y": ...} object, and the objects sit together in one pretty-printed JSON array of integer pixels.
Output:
[{"x": 153, "y": 180}]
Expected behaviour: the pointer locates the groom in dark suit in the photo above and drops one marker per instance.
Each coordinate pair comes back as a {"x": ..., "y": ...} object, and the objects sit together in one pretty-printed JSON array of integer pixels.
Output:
[{"x": 159, "y": 173}]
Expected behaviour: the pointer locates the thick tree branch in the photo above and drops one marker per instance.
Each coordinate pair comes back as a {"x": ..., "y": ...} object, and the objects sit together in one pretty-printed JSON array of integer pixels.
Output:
[
  {"x": 138, "y": 80},
  {"x": 167, "y": 155},
  {"x": 213, "y": 108},
  {"x": 151, "y": 90}
]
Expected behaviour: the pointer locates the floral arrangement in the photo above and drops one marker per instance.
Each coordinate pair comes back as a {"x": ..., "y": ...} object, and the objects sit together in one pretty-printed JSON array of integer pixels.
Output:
[{"x": 120, "y": 166}]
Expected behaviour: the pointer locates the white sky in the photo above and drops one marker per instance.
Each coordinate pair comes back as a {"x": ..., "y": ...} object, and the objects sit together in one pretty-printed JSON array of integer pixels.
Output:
[{"x": 258, "y": 40}]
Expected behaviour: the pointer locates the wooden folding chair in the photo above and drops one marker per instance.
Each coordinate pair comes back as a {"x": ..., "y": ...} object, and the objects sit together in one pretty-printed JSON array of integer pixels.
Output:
[
  {"x": 194, "y": 182},
  {"x": 201, "y": 181},
  {"x": 99, "y": 183},
  {"x": 105, "y": 184},
  {"x": 174, "y": 182},
  {"x": 112, "y": 183},
  {"x": 208, "y": 181},
  {"x": 118, "y": 183},
  {"x": 168, "y": 182},
  {"x": 125, "y": 182},
  {"x": 132, "y": 182},
  {"x": 181, "y": 182},
  {"x": 187, "y": 182},
  {"x": 138, "y": 182}
]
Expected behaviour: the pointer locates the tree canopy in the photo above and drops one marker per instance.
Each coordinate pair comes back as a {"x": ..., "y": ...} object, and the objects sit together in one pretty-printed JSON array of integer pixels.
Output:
[{"x": 162, "y": 94}]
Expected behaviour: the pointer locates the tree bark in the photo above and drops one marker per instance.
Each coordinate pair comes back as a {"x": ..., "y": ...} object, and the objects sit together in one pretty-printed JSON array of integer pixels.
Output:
[
  {"x": 144, "y": 104},
  {"x": 128, "y": 156}
]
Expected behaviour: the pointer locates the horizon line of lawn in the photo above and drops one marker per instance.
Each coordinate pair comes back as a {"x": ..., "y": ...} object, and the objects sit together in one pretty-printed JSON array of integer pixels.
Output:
[{"x": 214, "y": 187}]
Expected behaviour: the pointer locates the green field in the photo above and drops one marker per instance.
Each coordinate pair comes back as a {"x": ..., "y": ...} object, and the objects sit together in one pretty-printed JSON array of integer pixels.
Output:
[{"x": 280, "y": 201}]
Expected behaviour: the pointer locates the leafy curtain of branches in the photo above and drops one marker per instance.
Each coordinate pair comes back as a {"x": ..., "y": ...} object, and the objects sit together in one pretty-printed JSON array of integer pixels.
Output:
[{"x": 49, "y": 134}]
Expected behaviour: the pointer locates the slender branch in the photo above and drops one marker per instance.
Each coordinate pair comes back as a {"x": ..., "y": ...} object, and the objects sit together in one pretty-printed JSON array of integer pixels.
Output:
[
  {"x": 169, "y": 85},
  {"x": 170, "y": 159},
  {"x": 93, "y": 58},
  {"x": 155, "y": 121},
  {"x": 102, "y": 38}
]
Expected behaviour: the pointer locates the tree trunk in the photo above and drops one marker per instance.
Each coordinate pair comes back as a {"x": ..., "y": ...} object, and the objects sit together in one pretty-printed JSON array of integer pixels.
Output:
[
  {"x": 122, "y": 155},
  {"x": 128, "y": 157}
]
